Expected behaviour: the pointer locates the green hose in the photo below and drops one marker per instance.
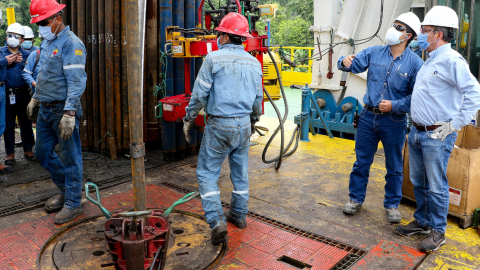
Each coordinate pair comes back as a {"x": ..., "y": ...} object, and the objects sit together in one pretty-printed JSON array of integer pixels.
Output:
[
  {"x": 105, "y": 212},
  {"x": 185, "y": 199}
]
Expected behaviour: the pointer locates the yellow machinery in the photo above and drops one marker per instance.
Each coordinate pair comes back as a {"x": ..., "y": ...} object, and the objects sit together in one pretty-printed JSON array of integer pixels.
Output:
[
  {"x": 10, "y": 15},
  {"x": 270, "y": 79}
]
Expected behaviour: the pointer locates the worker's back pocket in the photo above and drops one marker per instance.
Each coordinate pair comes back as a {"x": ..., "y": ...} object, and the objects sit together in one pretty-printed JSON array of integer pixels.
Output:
[{"x": 219, "y": 139}]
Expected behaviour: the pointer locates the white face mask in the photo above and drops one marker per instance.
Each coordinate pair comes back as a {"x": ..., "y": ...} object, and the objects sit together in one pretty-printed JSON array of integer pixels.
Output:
[
  {"x": 393, "y": 36},
  {"x": 13, "y": 42}
]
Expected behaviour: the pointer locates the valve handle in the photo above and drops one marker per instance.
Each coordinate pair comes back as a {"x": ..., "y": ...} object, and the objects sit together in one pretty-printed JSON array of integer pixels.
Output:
[
  {"x": 105, "y": 212},
  {"x": 135, "y": 214}
]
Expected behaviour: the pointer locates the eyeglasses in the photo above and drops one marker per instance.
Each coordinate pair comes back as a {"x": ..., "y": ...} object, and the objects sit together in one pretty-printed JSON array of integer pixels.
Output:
[
  {"x": 44, "y": 22},
  {"x": 15, "y": 36},
  {"x": 424, "y": 30},
  {"x": 399, "y": 27}
]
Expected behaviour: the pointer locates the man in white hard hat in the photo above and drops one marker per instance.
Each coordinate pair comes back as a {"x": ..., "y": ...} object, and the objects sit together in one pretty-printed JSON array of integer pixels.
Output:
[
  {"x": 392, "y": 70},
  {"x": 445, "y": 98},
  {"x": 28, "y": 40},
  {"x": 12, "y": 63}
]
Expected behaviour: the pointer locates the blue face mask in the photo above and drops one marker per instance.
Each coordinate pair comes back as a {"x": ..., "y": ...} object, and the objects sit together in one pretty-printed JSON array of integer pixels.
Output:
[
  {"x": 27, "y": 44},
  {"x": 414, "y": 44},
  {"x": 46, "y": 32},
  {"x": 423, "y": 41},
  {"x": 218, "y": 43}
]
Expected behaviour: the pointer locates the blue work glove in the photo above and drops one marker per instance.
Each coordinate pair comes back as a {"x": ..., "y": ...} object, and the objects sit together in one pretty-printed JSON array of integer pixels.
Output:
[{"x": 445, "y": 129}]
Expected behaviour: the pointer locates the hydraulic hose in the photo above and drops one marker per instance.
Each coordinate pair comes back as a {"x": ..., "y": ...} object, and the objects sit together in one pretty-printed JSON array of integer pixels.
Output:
[{"x": 296, "y": 134}]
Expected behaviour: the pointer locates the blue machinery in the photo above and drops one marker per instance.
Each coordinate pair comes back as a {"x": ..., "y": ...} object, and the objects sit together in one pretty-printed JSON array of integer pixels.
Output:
[{"x": 321, "y": 114}]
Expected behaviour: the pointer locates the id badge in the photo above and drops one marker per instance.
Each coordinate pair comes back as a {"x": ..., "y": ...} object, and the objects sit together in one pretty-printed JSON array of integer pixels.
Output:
[{"x": 12, "y": 99}]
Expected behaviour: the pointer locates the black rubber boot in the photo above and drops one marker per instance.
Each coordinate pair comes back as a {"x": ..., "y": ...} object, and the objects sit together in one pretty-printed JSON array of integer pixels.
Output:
[
  {"x": 241, "y": 224},
  {"x": 219, "y": 234}
]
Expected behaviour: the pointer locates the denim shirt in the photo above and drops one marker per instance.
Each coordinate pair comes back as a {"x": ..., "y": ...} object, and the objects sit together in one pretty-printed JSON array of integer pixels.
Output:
[
  {"x": 229, "y": 84},
  {"x": 387, "y": 78},
  {"x": 31, "y": 71},
  {"x": 446, "y": 90},
  {"x": 34, "y": 48},
  {"x": 13, "y": 77},
  {"x": 62, "y": 76}
]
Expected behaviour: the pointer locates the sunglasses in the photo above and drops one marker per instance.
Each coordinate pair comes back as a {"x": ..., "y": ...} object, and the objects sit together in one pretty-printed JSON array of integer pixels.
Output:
[
  {"x": 15, "y": 36},
  {"x": 399, "y": 27},
  {"x": 44, "y": 22}
]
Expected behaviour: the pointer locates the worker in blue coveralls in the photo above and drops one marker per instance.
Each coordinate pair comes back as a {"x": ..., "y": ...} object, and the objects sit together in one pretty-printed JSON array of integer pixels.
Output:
[
  {"x": 445, "y": 98},
  {"x": 59, "y": 86},
  {"x": 392, "y": 70},
  {"x": 13, "y": 58},
  {"x": 229, "y": 87},
  {"x": 28, "y": 40},
  {"x": 31, "y": 70}
]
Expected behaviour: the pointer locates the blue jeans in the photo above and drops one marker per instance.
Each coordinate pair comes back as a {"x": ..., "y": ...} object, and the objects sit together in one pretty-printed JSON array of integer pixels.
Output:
[
  {"x": 222, "y": 137},
  {"x": 66, "y": 170},
  {"x": 428, "y": 160},
  {"x": 391, "y": 131}
]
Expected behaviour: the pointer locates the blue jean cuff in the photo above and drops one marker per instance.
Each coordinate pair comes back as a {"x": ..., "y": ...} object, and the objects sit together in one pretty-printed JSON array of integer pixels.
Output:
[
  {"x": 391, "y": 206},
  {"x": 66, "y": 205}
]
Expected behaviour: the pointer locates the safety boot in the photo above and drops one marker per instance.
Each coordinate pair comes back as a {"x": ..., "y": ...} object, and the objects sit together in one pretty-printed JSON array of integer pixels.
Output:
[
  {"x": 67, "y": 215},
  {"x": 6, "y": 169},
  {"x": 433, "y": 242},
  {"x": 55, "y": 203},
  {"x": 241, "y": 224},
  {"x": 30, "y": 156},
  {"x": 351, "y": 207},
  {"x": 219, "y": 234},
  {"x": 411, "y": 229},
  {"x": 394, "y": 215},
  {"x": 10, "y": 159}
]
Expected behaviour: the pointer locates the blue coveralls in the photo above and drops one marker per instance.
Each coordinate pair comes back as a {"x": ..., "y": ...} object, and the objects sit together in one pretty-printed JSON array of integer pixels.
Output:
[
  {"x": 34, "y": 48},
  {"x": 61, "y": 80},
  {"x": 229, "y": 86},
  {"x": 31, "y": 70},
  {"x": 388, "y": 79},
  {"x": 17, "y": 99}
]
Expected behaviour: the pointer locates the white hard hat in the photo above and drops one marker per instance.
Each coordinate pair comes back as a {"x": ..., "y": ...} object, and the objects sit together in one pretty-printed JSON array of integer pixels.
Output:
[
  {"x": 411, "y": 20},
  {"x": 441, "y": 16},
  {"x": 16, "y": 28},
  {"x": 28, "y": 32}
]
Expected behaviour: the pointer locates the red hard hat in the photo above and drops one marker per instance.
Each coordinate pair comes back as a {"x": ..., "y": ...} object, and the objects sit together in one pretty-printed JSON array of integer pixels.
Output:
[
  {"x": 44, "y": 9},
  {"x": 235, "y": 24}
]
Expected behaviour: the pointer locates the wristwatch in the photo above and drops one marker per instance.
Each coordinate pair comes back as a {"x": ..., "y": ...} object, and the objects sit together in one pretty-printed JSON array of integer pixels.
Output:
[{"x": 71, "y": 113}]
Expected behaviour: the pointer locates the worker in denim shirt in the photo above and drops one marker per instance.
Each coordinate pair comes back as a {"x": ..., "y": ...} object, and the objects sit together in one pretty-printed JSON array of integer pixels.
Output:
[
  {"x": 391, "y": 76},
  {"x": 229, "y": 87},
  {"x": 31, "y": 70},
  {"x": 445, "y": 98},
  {"x": 59, "y": 86}
]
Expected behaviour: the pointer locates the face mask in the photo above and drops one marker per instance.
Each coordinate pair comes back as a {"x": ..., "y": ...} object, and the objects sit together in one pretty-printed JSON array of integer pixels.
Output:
[
  {"x": 423, "y": 41},
  {"x": 414, "y": 44},
  {"x": 13, "y": 42},
  {"x": 393, "y": 36},
  {"x": 46, "y": 32},
  {"x": 218, "y": 44},
  {"x": 27, "y": 44}
]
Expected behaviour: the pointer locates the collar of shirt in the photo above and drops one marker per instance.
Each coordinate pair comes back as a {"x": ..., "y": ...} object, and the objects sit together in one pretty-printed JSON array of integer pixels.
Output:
[
  {"x": 401, "y": 55},
  {"x": 59, "y": 35},
  {"x": 439, "y": 50},
  {"x": 233, "y": 46}
]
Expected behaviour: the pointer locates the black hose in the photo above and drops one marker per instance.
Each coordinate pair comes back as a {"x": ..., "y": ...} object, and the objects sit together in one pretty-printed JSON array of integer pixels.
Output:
[
  {"x": 210, "y": 4},
  {"x": 283, "y": 151}
]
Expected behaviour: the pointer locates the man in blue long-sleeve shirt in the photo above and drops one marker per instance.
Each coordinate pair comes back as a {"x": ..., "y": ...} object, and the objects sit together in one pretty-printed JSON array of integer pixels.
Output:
[
  {"x": 391, "y": 76},
  {"x": 445, "y": 98},
  {"x": 229, "y": 87},
  {"x": 59, "y": 86}
]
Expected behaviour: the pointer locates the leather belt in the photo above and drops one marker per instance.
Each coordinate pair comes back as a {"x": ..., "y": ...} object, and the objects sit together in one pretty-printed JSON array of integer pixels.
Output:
[
  {"x": 213, "y": 116},
  {"x": 376, "y": 110},
  {"x": 51, "y": 104},
  {"x": 424, "y": 128}
]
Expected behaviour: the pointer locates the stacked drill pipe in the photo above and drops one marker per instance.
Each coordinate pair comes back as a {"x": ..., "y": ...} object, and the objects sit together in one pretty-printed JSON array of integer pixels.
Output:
[{"x": 102, "y": 26}]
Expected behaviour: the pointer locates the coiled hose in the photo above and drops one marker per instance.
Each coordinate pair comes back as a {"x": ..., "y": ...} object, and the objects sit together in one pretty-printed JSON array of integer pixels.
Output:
[{"x": 296, "y": 133}]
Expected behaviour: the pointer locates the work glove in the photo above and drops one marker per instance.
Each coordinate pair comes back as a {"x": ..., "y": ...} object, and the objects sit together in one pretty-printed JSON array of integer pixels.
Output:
[
  {"x": 32, "y": 109},
  {"x": 445, "y": 129},
  {"x": 187, "y": 127},
  {"x": 67, "y": 124}
]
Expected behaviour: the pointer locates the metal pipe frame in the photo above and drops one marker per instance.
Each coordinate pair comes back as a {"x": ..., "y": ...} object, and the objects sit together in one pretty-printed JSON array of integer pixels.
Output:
[
  {"x": 101, "y": 73},
  {"x": 109, "y": 65},
  {"x": 179, "y": 78},
  {"x": 81, "y": 33},
  {"x": 124, "y": 73},
  {"x": 95, "y": 76},
  {"x": 117, "y": 73},
  {"x": 90, "y": 118},
  {"x": 152, "y": 70}
]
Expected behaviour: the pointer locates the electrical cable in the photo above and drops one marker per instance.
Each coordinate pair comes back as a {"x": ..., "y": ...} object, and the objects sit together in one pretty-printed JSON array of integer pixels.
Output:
[{"x": 296, "y": 133}]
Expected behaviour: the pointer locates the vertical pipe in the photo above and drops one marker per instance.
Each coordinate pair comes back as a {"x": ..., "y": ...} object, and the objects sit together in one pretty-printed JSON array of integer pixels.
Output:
[
  {"x": 95, "y": 77},
  {"x": 135, "y": 48},
  {"x": 152, "y": 72},
  {"x": 101, "y": 74},
  {"x": 66, "y": 12},
  {"x": 124, "y": 73},
  {"x": 190, "y": 62},
  {"x": 74, "y": 14},
  {"x": 110, "y": 98},
  {"x": 470, "y": 29},
  {"x": 305, "y": 119},
  {"x": 144, "y": 93},
  {"x": 117, "y": 74},
  {"x": 168, "y": 128},
  {"x": 81, "y": 33},
  {"x": 198, "y": 65},
  {"x": 90, "y": 119},
  {"x": 179, "y": 77}
]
